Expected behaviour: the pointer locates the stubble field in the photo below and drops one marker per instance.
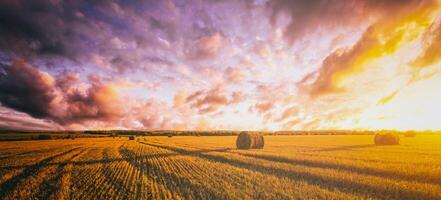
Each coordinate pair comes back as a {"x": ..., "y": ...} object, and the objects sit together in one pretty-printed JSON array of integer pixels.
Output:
[{"x": 289, "y": 167}]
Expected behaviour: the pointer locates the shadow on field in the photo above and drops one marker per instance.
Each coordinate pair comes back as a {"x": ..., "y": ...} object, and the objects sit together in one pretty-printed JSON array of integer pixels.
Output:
[
  {"x": 341, "y": 167},
  {"x": 352, "y": 169},
  {"x": 25, "y": 153},
  {"x": 172, "y": 181},
  {"x": 377, "y": 191},
  {"x": 82, "y": 163},
  {"x": 347, "y": 148},
  {"x": 49, "y": 185},
  {"x": 29, "y": 171}
]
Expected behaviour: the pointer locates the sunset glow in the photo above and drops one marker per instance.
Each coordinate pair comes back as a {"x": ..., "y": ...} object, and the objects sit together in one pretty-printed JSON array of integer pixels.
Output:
[{"x": 220, "y": 65}]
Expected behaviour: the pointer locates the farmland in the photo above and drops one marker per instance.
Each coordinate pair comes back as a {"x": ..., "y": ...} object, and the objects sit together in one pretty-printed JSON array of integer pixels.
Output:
[{"x": 188, "y": 167}]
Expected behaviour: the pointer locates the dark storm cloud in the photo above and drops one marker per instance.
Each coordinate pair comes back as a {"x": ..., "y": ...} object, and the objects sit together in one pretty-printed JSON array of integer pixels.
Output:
[
  {"x": 77, "y": 30},
  {"x": 126, "y": 35},
  {"x": 26, "y": 89},
  {"x": 36, "y": 27}
]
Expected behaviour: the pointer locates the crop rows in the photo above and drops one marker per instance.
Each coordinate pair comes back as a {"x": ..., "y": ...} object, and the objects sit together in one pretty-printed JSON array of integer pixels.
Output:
[{"x": 318, "y": 167}]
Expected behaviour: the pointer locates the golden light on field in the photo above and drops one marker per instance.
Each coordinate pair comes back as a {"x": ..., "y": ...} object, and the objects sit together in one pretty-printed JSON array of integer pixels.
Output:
[{"x": 324, "y": 167}]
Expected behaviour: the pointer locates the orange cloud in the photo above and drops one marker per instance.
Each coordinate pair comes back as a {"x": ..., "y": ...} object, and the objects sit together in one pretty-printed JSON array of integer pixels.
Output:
[
  {"x": 431, "y": 53},
  {"x": 290, "y": 124},
  {"x": 382, "y": 38},
  {"x": 234, "y": 75},
  {"x": 211, "y": 100},
  {"x": 310, "y": 16},
  {"x": 291, "y": 111},
  {"x": 206, "y": 47},
  {"x": 29, "y": 90},
  {"x": 263, "y": 107}
]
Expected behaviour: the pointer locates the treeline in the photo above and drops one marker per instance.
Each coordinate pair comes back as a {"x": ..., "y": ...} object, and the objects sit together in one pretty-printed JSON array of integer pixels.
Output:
[
  {"x": 353, "y": 132},
  {"x": 48, "y": 135},
  {"x": 233, "y": 133},
  {"x": 162, "y": 133}
]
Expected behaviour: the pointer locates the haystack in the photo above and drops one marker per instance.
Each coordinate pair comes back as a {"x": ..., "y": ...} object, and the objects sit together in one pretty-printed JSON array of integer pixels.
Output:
[
  {"x": 409, "y": 134},
  {"x": 387, "y": 139},
  {"x": 249, "y": 141}
]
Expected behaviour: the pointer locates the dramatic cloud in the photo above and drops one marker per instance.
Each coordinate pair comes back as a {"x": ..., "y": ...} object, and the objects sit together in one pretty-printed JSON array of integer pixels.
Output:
[
  {"x": 431, "y": 54},
  {"x": 203, "y": 64},
  {"x": 373, "y": 44},
  {"x": 40, "y": 95},
  {"x": 26, "y": 89},
  {"x": 308, "y": 16},
  {"x": 338, "y": 63},
  {"x": 97, "y": 102},
  {"x": 211, "y": 100}
]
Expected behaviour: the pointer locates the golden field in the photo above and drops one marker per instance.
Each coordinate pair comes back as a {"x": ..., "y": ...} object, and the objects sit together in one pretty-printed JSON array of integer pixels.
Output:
[{"x": 187, "y": 167}]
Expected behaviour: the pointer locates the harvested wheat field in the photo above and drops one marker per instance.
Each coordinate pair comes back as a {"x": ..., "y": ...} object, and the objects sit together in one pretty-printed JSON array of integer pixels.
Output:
[{"x": 186, "y": 167}]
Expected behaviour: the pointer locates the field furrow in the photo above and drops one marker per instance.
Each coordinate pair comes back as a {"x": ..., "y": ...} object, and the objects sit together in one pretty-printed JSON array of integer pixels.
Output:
[
  {"x": 32, "y": 177},
  {"x": 332, "y": 178},
  {"x": 289, "y": 167}
]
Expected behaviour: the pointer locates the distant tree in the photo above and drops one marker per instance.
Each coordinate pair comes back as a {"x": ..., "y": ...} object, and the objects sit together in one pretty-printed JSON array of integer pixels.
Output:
[{"x": 44, "y": 137}]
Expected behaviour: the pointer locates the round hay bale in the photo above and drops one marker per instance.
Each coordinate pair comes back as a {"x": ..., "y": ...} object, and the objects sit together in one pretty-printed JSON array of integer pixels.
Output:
[
  {"x": 249, "y": 141},
  {"x": 131, "y": 137},
  {"x": 260, "y": 142},
  {"x": 377, "y": 138},
  {"x": 387, "y": 139},
  {"x": 409, "y": 134}
]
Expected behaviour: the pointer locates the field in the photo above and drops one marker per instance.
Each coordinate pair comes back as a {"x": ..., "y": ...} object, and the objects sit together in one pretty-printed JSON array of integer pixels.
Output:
[{"x": 187, "y": 167}]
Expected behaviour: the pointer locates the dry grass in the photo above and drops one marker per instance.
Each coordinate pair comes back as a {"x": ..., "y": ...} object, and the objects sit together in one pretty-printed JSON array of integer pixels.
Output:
[{"x": 306, "y": 167}]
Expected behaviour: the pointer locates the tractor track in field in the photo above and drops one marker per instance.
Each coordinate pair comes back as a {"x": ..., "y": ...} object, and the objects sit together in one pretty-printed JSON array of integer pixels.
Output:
[
  {"x": 326, "y": 182},
  {"x": 30, "y": 171},
  {"x": 50, "y": 186}
]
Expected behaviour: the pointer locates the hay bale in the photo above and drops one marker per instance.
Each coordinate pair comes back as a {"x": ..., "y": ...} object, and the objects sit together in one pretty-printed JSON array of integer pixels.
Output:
[
  {"x": 249, "y": 141},
  {"x": 387, "y": 139},
  {"x": 409, "y": 134},
  {"x": 131, "y": 137}
]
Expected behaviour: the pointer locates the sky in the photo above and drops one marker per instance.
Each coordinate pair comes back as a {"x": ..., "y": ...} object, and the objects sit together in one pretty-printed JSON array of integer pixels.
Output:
[{"x": 220, "y": 64}]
